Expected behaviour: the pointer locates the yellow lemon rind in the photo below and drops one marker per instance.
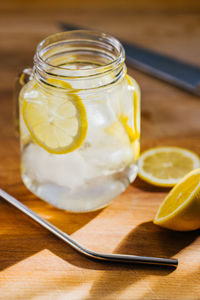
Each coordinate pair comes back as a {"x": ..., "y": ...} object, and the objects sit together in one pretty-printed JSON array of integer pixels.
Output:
[{"x": 136, "y": 95}]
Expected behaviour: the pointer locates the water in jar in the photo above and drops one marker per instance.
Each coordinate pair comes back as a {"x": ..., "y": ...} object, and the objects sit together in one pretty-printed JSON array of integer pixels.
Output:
[{"x": 91, "y": 174}]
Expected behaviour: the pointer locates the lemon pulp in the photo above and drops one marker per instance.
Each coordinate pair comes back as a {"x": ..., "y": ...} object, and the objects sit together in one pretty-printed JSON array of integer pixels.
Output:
[
  {"x": 165, "y": 166},
  {"x": 181, "y": 208}
]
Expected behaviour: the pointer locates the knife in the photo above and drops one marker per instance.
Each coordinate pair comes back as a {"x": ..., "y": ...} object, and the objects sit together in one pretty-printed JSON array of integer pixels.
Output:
[{"x": 169, "y": 69}]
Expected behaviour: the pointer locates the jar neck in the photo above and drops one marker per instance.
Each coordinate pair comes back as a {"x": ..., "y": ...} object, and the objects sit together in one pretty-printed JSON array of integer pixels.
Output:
[{"x": 84, "y": 59}]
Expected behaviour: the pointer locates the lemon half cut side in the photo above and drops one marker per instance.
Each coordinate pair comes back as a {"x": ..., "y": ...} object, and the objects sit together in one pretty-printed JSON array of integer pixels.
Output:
[
  {"x": 181, "y": 208},
  {"x": 166, "y": 166}
]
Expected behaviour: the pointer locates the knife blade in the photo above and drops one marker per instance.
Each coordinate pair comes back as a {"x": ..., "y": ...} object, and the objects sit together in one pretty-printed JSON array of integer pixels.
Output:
[{"x": 166, "y": 68}]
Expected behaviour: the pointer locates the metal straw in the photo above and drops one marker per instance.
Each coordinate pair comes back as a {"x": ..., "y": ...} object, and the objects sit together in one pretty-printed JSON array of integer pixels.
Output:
[{"x": 122, "y": 258}]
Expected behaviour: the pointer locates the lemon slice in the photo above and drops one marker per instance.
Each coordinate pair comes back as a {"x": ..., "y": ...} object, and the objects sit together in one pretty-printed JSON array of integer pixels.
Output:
[
  {"x": 165, "y": 166},
  {"x": 59, "y": 83},
  {"x": 124, "y": 120},
  {"x": 121, "y": 128},
  {"x": 181, "y": 208},
  {"x": 117, "y": 130},
  {"x": 59, "y": 125},
  {"x": 133, "y": 137},
  {"x": 136, "y": 105}
]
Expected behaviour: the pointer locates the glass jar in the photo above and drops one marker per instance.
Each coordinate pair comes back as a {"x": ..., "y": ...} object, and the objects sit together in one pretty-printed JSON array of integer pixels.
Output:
[{"x": 79, "y": 120}]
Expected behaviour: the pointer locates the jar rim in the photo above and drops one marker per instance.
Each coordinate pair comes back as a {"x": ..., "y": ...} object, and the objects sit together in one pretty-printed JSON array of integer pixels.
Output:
[{"x": 103, "y": 39}]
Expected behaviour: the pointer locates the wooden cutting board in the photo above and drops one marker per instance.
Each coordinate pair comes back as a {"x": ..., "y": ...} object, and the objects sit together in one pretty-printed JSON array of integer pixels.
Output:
[{"x": 33, "y": 263}]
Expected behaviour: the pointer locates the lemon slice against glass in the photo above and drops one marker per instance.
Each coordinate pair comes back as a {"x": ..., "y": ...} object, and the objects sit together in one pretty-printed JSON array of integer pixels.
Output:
[
  {"x": 121, "y": 128},
  {"x": 118, "y": 131},
  {"x": 59, "y": 125},
  {"x": 136, "y": 105},
  {"x": 166, "y": 166},
  {"x": 59, "y": 83},
  {"x": 133, "y": 136},
  {"x": 181, "y": 208}
]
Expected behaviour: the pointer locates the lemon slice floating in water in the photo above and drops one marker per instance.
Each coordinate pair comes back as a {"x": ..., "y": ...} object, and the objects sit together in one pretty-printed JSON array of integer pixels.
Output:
[
  {"x": 181, "y": 208},
  {"x": 166, "y": 166},
  {"x": 58, "y": 124}
]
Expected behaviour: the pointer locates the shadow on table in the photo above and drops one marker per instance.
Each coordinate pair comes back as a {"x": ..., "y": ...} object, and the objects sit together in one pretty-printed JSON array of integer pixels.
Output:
[
  {"x": 21, "y": 237},
  {"x": 146, "y": 239},
  {"x": 142, "y": 185}
]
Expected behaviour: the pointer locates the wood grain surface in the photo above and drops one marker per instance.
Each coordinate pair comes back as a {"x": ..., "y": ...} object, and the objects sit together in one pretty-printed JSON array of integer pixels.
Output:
[{"x": 33, "y": 263}]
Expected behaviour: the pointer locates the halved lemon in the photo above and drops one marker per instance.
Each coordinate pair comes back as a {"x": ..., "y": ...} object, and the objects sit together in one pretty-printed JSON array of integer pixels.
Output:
[
  {"x": 166, "y": 166},
  {"x": 58, "y": 124},
  {"x": 181, "y": 208}
]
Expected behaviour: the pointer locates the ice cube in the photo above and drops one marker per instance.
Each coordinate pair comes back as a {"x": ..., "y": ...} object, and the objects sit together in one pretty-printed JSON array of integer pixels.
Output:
[{"x": 69, "y": 170}]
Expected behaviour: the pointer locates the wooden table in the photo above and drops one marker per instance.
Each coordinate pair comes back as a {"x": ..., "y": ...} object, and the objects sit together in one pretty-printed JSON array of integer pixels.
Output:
[{"x": 36, "y": 265}]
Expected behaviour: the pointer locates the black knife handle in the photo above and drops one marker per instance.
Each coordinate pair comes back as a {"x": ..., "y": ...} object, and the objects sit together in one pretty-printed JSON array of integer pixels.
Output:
[{"x": 174, "y": 71}]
